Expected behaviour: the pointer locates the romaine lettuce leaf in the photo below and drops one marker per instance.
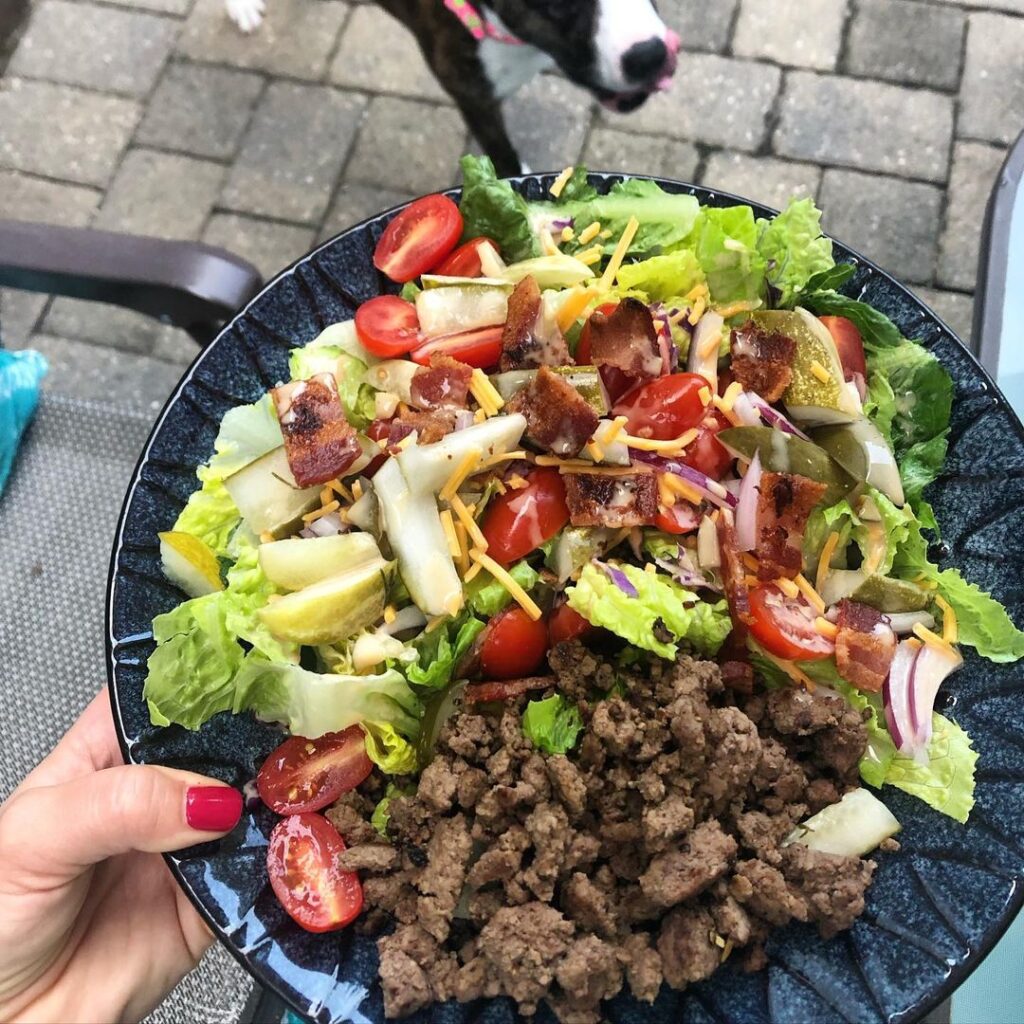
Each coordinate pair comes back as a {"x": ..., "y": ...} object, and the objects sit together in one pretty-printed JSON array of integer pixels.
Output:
[
  {"x": 440, "y": 651},
  {"x": 358, "y": 399},
  {"x": 392, "y": 753},
  {"x": 486, "y": 596},
  {"x": 663, "y": 277},
  {"x": 210, "y": 515},
  {"x": 876, "y": 329},
  {"x": 492, "y": 208},
  {"x": 660, "y": 602},
  {"x": 381, "y": 815},
  {"x": 726, "y": 240},
  {"x": 552, "y": 725},
  {"x": 794, "y": 249},
  {"x": 823, "y": 521}
]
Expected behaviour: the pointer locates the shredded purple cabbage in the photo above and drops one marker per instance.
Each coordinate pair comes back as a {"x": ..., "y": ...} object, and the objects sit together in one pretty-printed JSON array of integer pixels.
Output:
[
  {"x": 709, "y": 488},
  {"x": 619, "y": 578}
]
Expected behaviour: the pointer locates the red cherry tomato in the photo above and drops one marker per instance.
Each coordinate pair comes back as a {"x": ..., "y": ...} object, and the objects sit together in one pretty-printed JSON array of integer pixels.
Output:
[
  {"x": 784, "y": 626},
  {"x": 388, "y": 326},
  {"x": 566, "y": 623},
  {"x": 680, "y": 518},
  {"x": 665, "y": 408},
  {"x": 307, "y": 775},
  {"x": 849, "y": 344},
  {"x": 480, "y": 348},
  {"x": 419, "y": 238},
  {"x": 583, "y": 355},
  {"x": 518, "y": 522},
  {"x": 302, "y": 862},
  {"x": 705, "y": 454},
  {"x": 465, "y": 261},
  {"x": 514, "y": 645}
]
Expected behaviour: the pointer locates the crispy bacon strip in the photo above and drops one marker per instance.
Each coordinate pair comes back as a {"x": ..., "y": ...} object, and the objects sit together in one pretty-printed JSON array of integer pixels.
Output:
[
  {"x": 430, "y": 424},
  {"x": 626, "y": 339},
  {"x": 762, "y": 361},
  {"x": 784, "y": 505},
  {"x": 558, "y": 418},
  {"x": 442, "y": 384},
  {"x": 483, "y": 693},
  {"x": 734, "y": 578},
  {"x": 318, "y": 440},
  {"x": 528, "y": 341},
  {"x": 616, "y": 501},
  {"x": 865, "y": 646}
]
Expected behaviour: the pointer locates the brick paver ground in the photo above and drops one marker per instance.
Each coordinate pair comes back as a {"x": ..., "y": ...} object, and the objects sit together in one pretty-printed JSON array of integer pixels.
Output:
[{"x": 158, "y": 116}]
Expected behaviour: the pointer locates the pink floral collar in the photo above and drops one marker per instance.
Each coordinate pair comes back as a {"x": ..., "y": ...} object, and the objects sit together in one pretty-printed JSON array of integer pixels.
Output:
[{"x": 477, "y": 25}]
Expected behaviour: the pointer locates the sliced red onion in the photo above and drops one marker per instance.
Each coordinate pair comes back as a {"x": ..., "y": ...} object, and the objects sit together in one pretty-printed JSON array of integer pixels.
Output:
[
  {"x": 773, "y": 417},
  {"x": 710, "y": 489},
  {"x": 561, "y": 223},
  {"x": 896, "y": 694},
  {"x": 464, "y": 420},
  {"x": 744, "y": 408},
  {"x": 618, "y": 577},
  {"x": 746, "y": 506},
  {"x": 904, "y": 622},
  {"x": 327, "y": 526},
  {"x": 685, "y": 573},
  {"x": 931, "y": 667}
]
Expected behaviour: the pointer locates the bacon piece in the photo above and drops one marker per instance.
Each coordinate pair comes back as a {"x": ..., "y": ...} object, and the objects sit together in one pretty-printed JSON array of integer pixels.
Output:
[
  {"x": 483, "y": 693},
  {"x": 865, "y": 645},
  {"x": 762, "y": 361},
  {"x": 318, "y": 440},
  {"x": 784, "y": 505},
  {"x": 528, "y": 340},
  {"x": 595, "y": 499},
  {"x": 627, "y": 340},
  {"x": 558, "y": 418},
  {"x": 734, "y": 578},
  {"x": 444, "y": 383},
  {"x": 430, "y": 424}
]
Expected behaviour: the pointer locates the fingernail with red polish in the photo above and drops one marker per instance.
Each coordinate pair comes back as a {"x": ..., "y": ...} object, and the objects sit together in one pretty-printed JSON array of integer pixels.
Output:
[{"x": 213, "y": 808}]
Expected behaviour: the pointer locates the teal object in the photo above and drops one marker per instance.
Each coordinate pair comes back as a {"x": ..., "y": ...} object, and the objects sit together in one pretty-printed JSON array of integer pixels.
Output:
[
  {"x": 20, "y": 376},
  {"x": 995, "y": 992}
]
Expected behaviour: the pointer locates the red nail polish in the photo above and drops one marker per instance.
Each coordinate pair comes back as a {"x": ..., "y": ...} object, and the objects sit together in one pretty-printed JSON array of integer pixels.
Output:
[{"x": 213, "y": 808}]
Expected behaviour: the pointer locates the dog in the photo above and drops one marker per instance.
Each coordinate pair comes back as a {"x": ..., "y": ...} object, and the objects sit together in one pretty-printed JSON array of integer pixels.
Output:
[{"x": 482, "y": 51}]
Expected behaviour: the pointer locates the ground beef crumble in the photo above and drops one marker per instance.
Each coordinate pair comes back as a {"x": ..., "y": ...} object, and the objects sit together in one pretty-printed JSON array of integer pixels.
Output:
[{"x": 648, "y": 855}]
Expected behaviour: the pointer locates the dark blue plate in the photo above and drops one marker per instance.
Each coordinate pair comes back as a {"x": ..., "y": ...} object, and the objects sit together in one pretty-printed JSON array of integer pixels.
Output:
[{"x": 936, "y": 907}]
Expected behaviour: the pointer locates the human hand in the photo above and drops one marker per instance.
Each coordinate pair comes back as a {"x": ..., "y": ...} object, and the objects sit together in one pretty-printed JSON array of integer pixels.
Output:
[{"x": 93, "y": 926}]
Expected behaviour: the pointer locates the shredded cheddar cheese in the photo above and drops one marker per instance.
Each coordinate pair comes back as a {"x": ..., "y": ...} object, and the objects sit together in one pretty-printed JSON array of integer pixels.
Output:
[
  {"x": 726, "y": 410},
  {"x": 732, "y": 392},
  {"x": 449, "y": 534},
  {"x": 357, "y": 490},
  {"x": 698, "y": 311},
  {"x": 614, "y": 430},
  {"x": 751, "y": 581},
  {"x": 472, "y": 572},
  {"x": 678, "y": 316},
  {"x": 595, "y": 451},
  {"x": 462, "y": 537},
  {"x": 671, "y": 446},
  {"x": 558, "y": 185},
  {"x": 704, "y": 394},
  {"x": 495, "y": 460},
  {"x": 750, "y": 561},
  {"x": 568, "y": 234},
  {"x": 266, "y": 537},
  {"x": 516, "y": 482},
  {"x": 390, "y": 614},
  {"x": 826, "y": 628},
  {"x": 820, "y": 372},
  {"x": 824, "y": 562},
  {"x": 665, "y": 495},
  {"x": 573, "y": 307},
  {"x": 788, "y": 587},
  {"x": 933, "y": 639},
  {"x": 464, "y": 469},
  {"x": 813, "y": 598},
  {"x": 950, "y": 627},
  {"x": 520, "y": 596},
  {"x": 610, "y": 272},
  {"x": 325, "y": 510},
  {"x": 547, "y": 243},
  {"x": 591, "y": 256},
  {"x": 485, "y": 393},
  {"x": 589, "y": 233},
  {"x": 710, "y": 345},
  {"x": 466, "y": 518},
  {"x": 733, "y": 309},
  {"x": 683, "y": 488}
]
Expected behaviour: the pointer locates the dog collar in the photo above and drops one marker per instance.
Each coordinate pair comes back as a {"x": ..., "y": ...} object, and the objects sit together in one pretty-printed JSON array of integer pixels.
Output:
[{"x": 477, "y": 25}]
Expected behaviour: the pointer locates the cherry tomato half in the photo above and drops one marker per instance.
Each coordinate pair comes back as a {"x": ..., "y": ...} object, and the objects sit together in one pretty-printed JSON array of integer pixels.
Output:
[
  {"x": 302, "y": 862},
  {"x": 465, "y": 261},
  {"x": 849, "y": 344},
  {"x": 705, "y": 454},
  {"x": 419, "y": 238},
  {"x": 307, "y": 775},
  {"x": 480, "y": 347},
  {"x": 518, "y": 522},
  {"x": 784, "y": 626},
  {"x": 388, "y": 326},
  {"x": 566, "y": 623},
  {"x": 583, "y": 355},
  {"x": 514, "y": 645},
  {"x": 665, "y": 408},
  {"x": 681, "y": 518}
]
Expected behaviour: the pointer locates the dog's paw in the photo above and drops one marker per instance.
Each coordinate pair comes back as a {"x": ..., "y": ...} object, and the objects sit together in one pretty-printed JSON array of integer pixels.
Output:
[{"x": 246, "y": 14}]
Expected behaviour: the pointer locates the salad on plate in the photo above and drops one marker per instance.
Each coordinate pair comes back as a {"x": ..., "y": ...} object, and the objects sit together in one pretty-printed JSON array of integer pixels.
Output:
[{"x": 590, "y": 576}]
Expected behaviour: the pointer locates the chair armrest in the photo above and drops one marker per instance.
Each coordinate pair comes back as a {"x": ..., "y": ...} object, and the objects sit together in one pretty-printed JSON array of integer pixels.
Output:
[
  {"x": 994, "y": 260},
  {"x": 190, "y": 285}
]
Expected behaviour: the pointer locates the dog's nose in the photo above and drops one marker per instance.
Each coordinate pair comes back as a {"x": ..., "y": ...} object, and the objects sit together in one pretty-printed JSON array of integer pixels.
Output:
[{"x": 644, "y": 61}]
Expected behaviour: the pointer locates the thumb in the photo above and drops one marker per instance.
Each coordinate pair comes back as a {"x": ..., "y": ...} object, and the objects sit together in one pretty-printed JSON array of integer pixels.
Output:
[{"x": 113, "y": 811}]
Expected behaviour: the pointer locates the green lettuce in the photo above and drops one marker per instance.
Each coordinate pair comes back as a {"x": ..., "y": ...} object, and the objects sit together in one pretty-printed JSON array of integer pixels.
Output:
[
  {"x": 358, "y": 398},
  {"x": 663, "y": 277},
  {"x": 823, "y": 521},
  {"x": 191, "y": 673},
  {"x": 381, "y": 814},
  {"x": 440, "y": 651},
  {"x": 794, "y": 249},
  {"x": 876, "y": 329},
  {"x": 660, "y": 603},
  {"x": 210, "y": 515},
  {"x": 726, "y": 246},
  {"x": 896, "y": 526},
  {"x": 486, "y": 596},
  {"x": 552, "y": 725},
  {"x": 492, "y": 208},
  {"x": 391, "y": 752}
]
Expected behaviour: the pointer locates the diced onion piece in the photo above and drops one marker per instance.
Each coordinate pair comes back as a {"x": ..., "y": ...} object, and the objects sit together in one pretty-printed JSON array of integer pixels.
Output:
[
  {"x": 774, "y": 418},
  {"x": 746, "y": 411},
  {"x": 703, "y": 357},
  {"x": 709, "y": 554},
  {"x": 853, "y": 827},
  {"x": 904, "y": 622},
  {"x": 746, "y": 507},
  {"x": 373, "y": 648},
  {"x": 409, "y": 617}
]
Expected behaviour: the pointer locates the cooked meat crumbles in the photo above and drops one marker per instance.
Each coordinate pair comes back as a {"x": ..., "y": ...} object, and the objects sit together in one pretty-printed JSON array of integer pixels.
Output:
[{"x": 650, "y": 854}]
